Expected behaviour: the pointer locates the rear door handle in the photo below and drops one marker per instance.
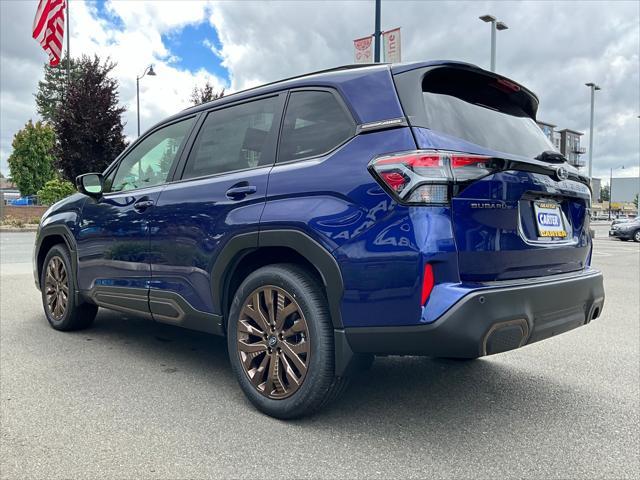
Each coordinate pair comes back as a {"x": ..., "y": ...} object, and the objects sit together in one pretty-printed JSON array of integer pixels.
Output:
[
  {"x": 142, "y": 205},
  {"x": 236, "y": 193}
]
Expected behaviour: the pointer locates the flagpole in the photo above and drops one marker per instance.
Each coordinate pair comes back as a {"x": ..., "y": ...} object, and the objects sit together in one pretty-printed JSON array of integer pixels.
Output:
[{"x": 68, "y": 43}]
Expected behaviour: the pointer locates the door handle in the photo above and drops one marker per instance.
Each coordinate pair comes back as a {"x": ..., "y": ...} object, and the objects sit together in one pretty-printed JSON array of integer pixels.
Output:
[
  {"x": 142, "y": 205},
  {"x": 237, "y": 193}
]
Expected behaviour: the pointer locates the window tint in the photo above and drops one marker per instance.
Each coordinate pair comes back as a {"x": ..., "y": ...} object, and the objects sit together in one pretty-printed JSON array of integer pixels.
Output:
[
  {"x": 149, "y": 162},
  {"x": 474, "y": 106},
  {"x": 314, "y": 124},
  {"x": 234, "y": 138}
]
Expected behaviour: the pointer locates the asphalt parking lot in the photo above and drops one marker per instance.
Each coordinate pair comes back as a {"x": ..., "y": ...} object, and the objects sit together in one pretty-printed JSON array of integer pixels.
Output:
[{"x": 133, "y": 399}]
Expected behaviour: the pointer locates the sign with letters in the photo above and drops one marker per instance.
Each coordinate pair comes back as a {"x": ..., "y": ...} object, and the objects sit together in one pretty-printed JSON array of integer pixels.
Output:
[
  {"x": 363, "y": 49},
  {"x": 391, "y": 45}
]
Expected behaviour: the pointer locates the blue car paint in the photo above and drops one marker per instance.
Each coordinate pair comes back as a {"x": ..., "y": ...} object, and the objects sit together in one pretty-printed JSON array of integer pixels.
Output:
[
  {"x": 381, "y": 246},
  {"x": 113, "y": 241},
  {"x": 190, "y": 225}
]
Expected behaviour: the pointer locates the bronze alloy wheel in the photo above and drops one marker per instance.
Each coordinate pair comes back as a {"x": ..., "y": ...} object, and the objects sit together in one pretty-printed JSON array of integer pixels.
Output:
[
  {"x": 56, "y": 286},
  {"x": 273, "y": 342}
]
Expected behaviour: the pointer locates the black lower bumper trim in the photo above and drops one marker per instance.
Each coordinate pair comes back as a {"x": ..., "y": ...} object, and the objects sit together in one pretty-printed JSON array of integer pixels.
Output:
[{"x": 492, "y": 321}]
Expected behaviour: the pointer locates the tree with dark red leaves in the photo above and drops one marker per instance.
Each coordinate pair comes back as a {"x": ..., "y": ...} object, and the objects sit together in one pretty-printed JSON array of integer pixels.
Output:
[{"x": 88, "y": 122}]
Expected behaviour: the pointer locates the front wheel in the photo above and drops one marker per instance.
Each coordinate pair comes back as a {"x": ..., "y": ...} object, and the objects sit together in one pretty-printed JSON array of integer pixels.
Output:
[
  {"x": 280, "y": 341},
  {"x": 59, "y": 296},
  {"x": 636, "y": 236}
]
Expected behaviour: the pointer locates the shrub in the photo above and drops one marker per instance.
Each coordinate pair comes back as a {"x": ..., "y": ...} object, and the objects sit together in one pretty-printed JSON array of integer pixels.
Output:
[{"x": 55, "y": 190}]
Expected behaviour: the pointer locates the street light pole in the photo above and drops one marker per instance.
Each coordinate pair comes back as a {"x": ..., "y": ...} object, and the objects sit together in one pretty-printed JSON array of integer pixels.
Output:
[
  {"x": 147, "y": 71},
  {"x": 377, "y": 34},
  {"x": 610, "y": 185},
  {"x": 593, "y": 87},
  {"x": 495, "y": 26},
  {"x": 493, "y": 46}
]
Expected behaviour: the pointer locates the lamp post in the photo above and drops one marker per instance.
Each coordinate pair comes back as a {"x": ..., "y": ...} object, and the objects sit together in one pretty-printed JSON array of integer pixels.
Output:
[
  {"x": 593, "y": 87},
  {"x": 495, "y": 25},
  {"x": 147, "y": 71},
  {"x": 611, "y": 188},
  {"x": 377, "y": 33}
]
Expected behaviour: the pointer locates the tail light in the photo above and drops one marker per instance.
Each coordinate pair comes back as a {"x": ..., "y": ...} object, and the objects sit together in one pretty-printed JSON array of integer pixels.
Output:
[{"x": 428, "y": 177}]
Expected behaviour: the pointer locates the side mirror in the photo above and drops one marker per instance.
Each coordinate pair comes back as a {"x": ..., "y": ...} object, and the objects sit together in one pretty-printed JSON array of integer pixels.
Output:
[{"x": 90, "y": 184}]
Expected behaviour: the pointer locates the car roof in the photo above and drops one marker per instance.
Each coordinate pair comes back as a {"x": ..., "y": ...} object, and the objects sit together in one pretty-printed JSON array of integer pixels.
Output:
[
  {"x": 353, "y": 81},
  {"x": 321, "y": 77}
]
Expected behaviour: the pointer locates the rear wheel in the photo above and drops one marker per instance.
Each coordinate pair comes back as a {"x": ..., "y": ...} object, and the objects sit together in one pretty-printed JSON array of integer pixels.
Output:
[
  {"x": 59, "y": 295},
  {"x": 636, "y": 236},
  {"x": 280, "y": 340}
]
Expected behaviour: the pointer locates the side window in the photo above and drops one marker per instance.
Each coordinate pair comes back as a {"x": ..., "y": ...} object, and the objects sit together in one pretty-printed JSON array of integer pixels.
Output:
[
  {"x": 314, "y": 124},
  {"x": 148, "y": 164},
  {"x": 234, "y": 138}
]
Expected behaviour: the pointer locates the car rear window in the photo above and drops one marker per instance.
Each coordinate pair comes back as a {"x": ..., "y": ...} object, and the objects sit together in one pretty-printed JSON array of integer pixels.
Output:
[
  {"x": 314, "y": 124},
  {"x": 486, "y": 110}
]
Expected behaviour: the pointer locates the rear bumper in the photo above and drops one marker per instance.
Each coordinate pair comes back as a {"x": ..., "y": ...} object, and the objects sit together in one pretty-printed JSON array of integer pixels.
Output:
[{"x": 492, "y": 320}]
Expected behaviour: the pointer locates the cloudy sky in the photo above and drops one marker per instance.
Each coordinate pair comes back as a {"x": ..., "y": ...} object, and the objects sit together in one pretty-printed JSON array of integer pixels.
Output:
[{"x": 551, "y": 47}]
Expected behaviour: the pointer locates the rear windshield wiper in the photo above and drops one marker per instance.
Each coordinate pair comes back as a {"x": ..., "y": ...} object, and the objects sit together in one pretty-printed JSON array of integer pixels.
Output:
[{"x": 551, "y": 156}]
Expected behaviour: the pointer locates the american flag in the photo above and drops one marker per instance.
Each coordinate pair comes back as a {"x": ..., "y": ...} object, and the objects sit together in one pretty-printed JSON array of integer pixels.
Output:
[{"x": 48, "y": 28}]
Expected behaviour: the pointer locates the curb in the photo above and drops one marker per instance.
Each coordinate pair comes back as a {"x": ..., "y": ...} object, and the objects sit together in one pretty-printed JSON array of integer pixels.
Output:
[{"x": 26, "y": 228}]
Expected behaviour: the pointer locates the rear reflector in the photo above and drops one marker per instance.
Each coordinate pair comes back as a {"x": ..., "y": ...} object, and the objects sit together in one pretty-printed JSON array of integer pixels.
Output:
[
  {"x": 427, "y": 283},
  {"x": 425, "y": 177}
]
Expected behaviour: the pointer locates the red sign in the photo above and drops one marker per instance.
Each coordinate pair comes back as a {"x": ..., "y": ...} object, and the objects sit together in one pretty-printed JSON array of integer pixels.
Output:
[
  {"x": 391, "y": 42},
  {"x": 363, "y": 52}
]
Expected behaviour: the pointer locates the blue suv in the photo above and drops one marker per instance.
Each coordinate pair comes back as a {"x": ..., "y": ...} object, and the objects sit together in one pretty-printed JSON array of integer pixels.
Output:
[{"x": 411, "y": 209}]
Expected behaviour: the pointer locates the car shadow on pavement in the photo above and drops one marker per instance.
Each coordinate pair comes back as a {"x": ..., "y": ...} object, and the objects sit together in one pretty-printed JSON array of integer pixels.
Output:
[
  {"x": 174, "y": 347},
  {"x": 405, "y": 395},
  {"x": 402, "y": 398}
]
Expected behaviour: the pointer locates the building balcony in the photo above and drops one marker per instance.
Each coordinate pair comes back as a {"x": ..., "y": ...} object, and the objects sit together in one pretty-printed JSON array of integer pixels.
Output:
[
  {"x": 577, "y": 162},
  {"x": 579, "y": 150}
]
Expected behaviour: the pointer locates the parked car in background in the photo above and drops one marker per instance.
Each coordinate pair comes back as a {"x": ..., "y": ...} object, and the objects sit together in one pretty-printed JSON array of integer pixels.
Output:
[
  {"x": 629, "y": 230},
  {"x": 412, "y": 209},
  {"x": 620, "y": 220}
]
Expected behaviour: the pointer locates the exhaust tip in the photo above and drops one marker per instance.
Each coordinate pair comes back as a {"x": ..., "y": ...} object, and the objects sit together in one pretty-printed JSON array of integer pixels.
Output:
[{"x": 505, "y": 336}]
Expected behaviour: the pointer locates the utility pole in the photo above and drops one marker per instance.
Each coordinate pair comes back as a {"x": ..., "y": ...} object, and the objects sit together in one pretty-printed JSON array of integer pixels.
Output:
[
  {"x": 377, "y": 34},
  {"x": 593, "y": 87}
]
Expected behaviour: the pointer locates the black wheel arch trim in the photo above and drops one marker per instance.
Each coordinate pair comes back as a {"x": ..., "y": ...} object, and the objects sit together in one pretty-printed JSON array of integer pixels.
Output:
[
  {"x": 303, "y": 244},
  {"x": 70, "y": 242}
]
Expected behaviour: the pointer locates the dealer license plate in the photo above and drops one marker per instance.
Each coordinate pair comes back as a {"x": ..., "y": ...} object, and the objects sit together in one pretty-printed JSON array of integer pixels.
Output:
[{"x": 549, "y": 220}]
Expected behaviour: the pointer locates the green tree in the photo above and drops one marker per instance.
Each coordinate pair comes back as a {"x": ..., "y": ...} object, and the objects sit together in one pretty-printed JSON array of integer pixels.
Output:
[
  {"x": 52, "y": 88},
  {"x": 88, "y": 123},
  {"x": 32, "y": 162},
  {"x": 205, "y": 94},
  {"x": 54, "y": 191},
  {"x": 635, "y": 201},
  {"x": 604, "y": 193}
]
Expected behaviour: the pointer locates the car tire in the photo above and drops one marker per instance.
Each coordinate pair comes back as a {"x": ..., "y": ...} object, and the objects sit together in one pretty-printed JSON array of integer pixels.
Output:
[
  {"x": 61, "y": 306},
  {"x": 262, "y": 343},
  {"x": 636, "y": 236}
]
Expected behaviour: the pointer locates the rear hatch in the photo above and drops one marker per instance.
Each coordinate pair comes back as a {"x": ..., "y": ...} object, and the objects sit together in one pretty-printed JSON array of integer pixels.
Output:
[{"x": 518, "y": 209}]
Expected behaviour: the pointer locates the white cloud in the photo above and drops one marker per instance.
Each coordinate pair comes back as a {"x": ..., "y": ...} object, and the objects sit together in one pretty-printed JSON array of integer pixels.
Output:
[
  {"x": 552, "y": 47},
  {"x": 136, "y": 44}
]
